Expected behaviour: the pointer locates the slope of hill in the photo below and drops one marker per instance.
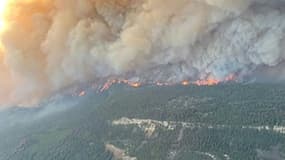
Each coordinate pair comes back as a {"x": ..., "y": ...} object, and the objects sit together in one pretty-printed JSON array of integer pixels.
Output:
[{"x": 229, "y": 121}]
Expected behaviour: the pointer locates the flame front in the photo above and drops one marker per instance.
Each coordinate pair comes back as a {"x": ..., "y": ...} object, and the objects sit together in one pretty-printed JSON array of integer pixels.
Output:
[
  {"x": 47, "y": 46},
  {"x": 203, "y": 82},
  {"x": 210, "y": 81}
]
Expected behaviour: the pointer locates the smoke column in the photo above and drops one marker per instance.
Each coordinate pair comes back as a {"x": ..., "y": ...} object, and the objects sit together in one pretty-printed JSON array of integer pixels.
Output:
[{"x": 48, "y": 45}]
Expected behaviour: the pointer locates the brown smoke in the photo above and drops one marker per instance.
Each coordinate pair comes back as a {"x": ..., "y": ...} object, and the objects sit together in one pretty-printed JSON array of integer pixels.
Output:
[{"x": 49, "y": 45}]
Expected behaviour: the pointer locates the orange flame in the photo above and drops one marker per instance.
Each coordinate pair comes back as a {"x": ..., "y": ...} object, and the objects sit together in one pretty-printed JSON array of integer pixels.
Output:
[
  {"x": 207, "y": 82},
  {"x": 185, "y": 83},
  {"x": 211, "y": 81},
  {"x": 81, "y": 94},
  {"x": 134, "y": 84},
  {"x": 109, "y": 83}
]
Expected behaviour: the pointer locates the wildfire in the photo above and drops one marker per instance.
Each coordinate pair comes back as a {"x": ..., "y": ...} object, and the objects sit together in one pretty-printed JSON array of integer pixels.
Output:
[
  {"x": 134, "y": 84},
  {"x": 109, "y": 83},
  {"x": 207, "y": 82},
  {"x": 185, "y": 83},
  {"x": 81, "y": 94},
  {"x": 212, "y": 81}
]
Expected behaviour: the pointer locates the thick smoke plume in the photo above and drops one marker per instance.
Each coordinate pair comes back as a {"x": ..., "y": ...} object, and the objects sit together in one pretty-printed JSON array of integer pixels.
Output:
[{"x": 48, "y": 45}]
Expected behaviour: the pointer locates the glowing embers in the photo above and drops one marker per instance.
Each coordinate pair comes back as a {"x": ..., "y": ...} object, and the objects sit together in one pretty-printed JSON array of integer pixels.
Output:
[
  {"x": 102, "y": 87},
  {"x": 207, "y": 82},
  {"x": 212, "y": 81},
  {"x": 82, "y": 93},
  {"x": 136, "y": 84},
  {"x": 185, "y": 83},
  {"x": 109, "y": 83}
]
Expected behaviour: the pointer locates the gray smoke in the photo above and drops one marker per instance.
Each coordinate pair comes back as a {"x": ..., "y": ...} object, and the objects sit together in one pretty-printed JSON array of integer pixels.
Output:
[{"x": 53, "y": 44}]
